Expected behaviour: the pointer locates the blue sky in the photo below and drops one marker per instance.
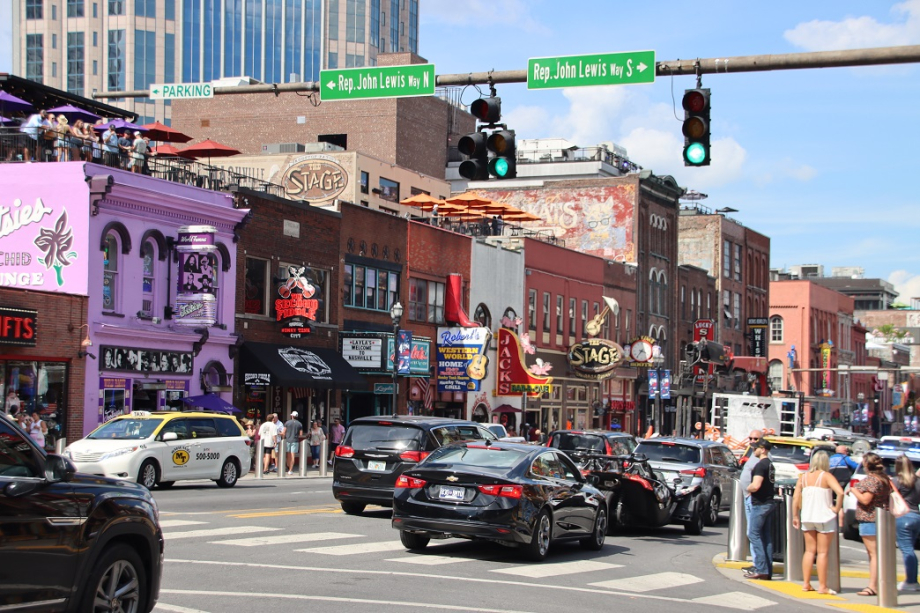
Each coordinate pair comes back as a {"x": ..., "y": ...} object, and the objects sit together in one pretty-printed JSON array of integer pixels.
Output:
[{"x": 818, "y": 160}]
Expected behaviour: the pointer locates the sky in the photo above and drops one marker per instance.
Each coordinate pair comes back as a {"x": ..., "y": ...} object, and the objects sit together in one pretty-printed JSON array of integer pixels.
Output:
[{"x": 818, "y": 160}]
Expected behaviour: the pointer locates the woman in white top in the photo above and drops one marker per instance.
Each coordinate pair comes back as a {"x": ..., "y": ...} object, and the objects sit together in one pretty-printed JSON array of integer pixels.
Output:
[
  {"x": 38, "y": 429},
  {"x": 816, "y": 512}
]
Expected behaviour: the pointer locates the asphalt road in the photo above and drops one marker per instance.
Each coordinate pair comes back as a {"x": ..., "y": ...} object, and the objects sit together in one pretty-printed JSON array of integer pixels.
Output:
[{"x": 276, "y": 545}]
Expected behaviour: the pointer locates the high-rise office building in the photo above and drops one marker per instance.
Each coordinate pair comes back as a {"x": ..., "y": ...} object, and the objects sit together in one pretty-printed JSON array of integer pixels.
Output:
[{"x": 84, "y": 46}]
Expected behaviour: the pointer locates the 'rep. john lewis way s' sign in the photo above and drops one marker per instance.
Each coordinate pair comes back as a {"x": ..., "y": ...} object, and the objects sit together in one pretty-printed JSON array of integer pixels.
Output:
[{"x": 625, "y": 68}]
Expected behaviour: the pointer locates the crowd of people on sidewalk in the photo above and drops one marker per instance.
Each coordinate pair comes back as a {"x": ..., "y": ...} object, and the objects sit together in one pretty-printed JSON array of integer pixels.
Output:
[{"x": 281, "y": 441}]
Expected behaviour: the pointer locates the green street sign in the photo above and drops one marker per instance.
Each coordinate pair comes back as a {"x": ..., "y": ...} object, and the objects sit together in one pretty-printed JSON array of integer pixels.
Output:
[
  {"x": 377, "y": 82},
  {"x": 625, "y": 68},
  {"x": 177, "y": 91}
]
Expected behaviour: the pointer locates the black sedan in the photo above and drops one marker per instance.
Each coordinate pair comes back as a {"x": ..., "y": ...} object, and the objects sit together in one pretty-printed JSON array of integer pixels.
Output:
[{"x": 515, "y": 494}]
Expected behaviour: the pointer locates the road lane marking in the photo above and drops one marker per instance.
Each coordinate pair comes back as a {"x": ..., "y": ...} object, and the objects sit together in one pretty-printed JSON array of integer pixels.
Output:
[
  {"x": 541, "y": 571},
  {"x": 286, "y": 538},
  {"x": 394, "y": 603},
  {"x": 735, "y": 600},
  {"x": 284, "y": 513},
  {"x": 162, "y": 606},
  {"x": 430, "y": 560},
  {"x": 175, "y": 523},
  {"x": 349, "y": 550},
  {"x": 647, "y": 583},
  {"x": 217, "y": 532}
]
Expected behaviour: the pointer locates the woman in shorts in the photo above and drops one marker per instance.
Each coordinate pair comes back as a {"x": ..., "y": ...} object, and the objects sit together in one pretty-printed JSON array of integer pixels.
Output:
[
  {"x": 816, "y": 512},
  {"x": 871, "y": 493}
]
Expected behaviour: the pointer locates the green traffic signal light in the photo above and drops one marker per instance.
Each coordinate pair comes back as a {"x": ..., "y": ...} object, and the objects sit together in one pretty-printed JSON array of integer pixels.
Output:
[
  {"x": 500, "y": 167},
  {"x": 695, "y": 154}
]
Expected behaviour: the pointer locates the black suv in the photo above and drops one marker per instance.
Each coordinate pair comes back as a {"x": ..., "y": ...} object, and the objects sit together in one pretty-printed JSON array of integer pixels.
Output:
[
  {"x": 577, "y": 443},
  {"x": 376, "y": 451},
  {"x": 69, "y": 540}
]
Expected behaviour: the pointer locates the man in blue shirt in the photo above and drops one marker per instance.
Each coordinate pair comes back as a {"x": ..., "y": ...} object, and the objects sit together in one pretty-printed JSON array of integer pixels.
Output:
[{"x": 842, "y": 465}]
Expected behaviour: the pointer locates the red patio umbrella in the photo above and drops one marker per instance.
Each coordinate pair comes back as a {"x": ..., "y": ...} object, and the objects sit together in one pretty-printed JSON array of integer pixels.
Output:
[
  {"x": 164, "y": 134},
  {"x": 168, "y": 151},
  {"x": 208, "y": 149}
]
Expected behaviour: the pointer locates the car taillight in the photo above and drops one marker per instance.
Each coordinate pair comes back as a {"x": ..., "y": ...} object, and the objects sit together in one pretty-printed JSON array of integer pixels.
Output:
[
  {"x": 409, "y": 482},
  {"x": 802, "y": 467},
  {"x": 413, "y": 456},
  {"x": 503, "y": 491},
  {"x": 344, "y": 452},
  {"x": 696, "y": 472},
  {"x": 853, "y": 482},
  {"x": 643, "y": 482}
]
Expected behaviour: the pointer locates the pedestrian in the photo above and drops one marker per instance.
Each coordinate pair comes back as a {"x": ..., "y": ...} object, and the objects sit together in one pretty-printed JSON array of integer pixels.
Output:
[
  {"x": 12, "y": 404},
  {"x": 434, "y": 215},
  {"x": 267, "y": 432},
  {"x": 110, "y": 146},
  {"x": 760, "y": 528},
  {"x": 744, "y": 481},
  {"x": 842, "y": 466},
  {"x": 62, "y": 142},
  {"x": 816, "y": 512},
  {"x": 38, "y": 429},
  {"x": 496, "y": 226},
  {"x": 34, "y": 128},
  {"x": 138, "y": 151},
  {"x": 908, "y": 526},
  {"x": 872, "y": 492},
  {"x": 23, "y": 421},
  {"x": 336, "y": 436},
  {"x": 124, "y": 151},
  {"x": 292, "y": 430},
  {"x": 317, "y": 436}
]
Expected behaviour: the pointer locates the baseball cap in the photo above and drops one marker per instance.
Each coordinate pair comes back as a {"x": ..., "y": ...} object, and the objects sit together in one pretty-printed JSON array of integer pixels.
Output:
[
  {"x": 763, "y": 444},
  {"x": 136, "y": 133},
  {"x": 293, "y": 413}
]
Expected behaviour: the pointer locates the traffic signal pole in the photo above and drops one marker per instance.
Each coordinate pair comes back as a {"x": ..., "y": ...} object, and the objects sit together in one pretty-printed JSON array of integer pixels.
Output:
[{"x": 877, "y": 56}]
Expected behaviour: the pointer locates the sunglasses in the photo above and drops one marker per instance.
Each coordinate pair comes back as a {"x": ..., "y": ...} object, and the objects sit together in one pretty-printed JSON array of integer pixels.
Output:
[{"x": 755, "y": 438}]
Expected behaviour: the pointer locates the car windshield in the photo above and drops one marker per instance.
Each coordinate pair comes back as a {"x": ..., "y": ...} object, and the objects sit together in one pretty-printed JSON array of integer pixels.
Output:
[
  {"x": 797, "y": 454},
  {"x": 670, "y": 452},
  {"x": 498, "y": 430},
  {"x": 130, "y": 429},
  {"x": 480, "y": 456},
  {"x": 446, "y": 435},
  {"x": 889, "y": 466},
  {"x": 578, "y": 441},
  {"x": 384, "y": 436}
]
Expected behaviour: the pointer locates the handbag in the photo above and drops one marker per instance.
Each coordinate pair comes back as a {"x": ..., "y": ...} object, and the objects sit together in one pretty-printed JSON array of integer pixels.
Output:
[{"x": 896, "y": 503}]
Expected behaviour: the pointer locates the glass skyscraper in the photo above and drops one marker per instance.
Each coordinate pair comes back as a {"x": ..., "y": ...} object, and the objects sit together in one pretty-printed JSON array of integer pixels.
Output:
[{"x": 110, "y": 45}]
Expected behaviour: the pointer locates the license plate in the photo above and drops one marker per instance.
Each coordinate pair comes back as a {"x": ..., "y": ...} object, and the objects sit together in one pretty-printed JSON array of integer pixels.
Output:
[
  {"x": 372, "y": 465},
  {"x": 452, "y": 493}
]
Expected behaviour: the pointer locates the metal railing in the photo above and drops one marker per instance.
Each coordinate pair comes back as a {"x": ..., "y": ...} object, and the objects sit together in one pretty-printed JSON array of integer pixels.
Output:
[{"x": 16, "y": 146}]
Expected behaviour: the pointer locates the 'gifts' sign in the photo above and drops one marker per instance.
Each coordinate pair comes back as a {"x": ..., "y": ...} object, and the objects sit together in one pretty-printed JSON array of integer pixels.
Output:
[{"x": 18, "y": 327}]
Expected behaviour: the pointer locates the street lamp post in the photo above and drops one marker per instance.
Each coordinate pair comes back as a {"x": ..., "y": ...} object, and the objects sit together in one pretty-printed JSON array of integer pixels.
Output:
[
  {"x": 396, "y": 312},
  {"x": 657, "y": 417}
]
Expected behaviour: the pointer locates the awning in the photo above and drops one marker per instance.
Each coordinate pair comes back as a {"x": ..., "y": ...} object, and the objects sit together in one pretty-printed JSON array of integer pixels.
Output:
[{"x": 284, "y": 365}]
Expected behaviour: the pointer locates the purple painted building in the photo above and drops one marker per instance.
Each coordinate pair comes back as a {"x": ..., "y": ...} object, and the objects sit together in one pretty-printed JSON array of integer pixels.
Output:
[{"x": 111, "y": 237}]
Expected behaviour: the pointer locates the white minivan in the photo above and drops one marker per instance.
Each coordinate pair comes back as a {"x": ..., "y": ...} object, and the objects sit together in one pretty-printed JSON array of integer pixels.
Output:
[{"x": 160, "y": 448}]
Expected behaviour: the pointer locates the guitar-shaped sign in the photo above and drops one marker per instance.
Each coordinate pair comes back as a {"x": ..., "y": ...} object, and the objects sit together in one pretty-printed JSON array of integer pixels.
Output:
[
  {"x": 593, "y": 327},
  {"x": 477, "y": 368}
]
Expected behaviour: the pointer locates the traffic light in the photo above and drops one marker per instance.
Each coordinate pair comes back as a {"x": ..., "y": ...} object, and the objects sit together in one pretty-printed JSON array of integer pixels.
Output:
[
  {"x": 476, "y": 166},
  {"x": 501, "y": 144},
  {"x": 696, "y": 127},
  {"x": 487, "y": 110}
]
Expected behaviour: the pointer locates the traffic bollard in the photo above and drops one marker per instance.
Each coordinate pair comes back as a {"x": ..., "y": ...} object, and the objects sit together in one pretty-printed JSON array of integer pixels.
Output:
[
  {"x": 738, "y": 545},
  {"x": 60, "y": 445},
  {"x": 323, "y": 452},
  {"x": 281, "y": 463},
  {"x": 887, "y": 558},
  {"x": 303, "y": 458},
  {"x": 795, "y": 544},
  {"x": 260, "y": 457},
  {"x": 833, "y": 563}
]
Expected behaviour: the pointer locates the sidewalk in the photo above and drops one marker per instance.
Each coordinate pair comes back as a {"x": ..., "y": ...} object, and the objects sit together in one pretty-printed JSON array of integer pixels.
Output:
[{"x": 853, "y": 578}]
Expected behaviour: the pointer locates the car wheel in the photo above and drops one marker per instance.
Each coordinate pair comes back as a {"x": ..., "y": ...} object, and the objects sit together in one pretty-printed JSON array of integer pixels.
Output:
[
  {"x": 694, "y": 527},
  {"x": 117, "y": 583},
  {"x": 411, "y": 540},
  {"x": 149, "y": 474},
  {"x": 229, "y": 474},
  {"x": 165, "y": 485},
  {"x": 712, "y": 510},
  {"x": 595, "y": 542},
  {"x": 353, "y": 508},
  {"x": 542, "y": 537}
]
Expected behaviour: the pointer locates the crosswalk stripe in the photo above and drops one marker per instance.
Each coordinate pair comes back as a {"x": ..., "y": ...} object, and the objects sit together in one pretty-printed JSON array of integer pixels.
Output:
[
  {"x": 541, "y": 571},
  {"x": 430, "y": 560},
  {"x": 648, "y": 583},
  {"x": 175, "y": 523},
  {"x": 735, "y": 600},
  {"x": 348, "y": 550},
  {"x": 276, "y": 539},
  {"x": 217, "y": 532}
]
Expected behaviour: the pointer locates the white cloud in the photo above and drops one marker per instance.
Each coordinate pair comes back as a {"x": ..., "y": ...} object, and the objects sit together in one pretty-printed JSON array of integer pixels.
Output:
[
  {"x": 906, "y": 284},
  {"x": 785, "y": 169},
  {"x": 471, "y": 12},
  {"x": 859, "y": 32}
]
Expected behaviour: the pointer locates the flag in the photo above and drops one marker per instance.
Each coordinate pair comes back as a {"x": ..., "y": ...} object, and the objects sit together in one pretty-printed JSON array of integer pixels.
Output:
[{"x": 424, "y": 384}]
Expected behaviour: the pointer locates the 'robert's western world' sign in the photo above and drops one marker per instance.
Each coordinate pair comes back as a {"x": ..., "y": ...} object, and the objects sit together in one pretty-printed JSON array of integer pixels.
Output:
[{"x": 595, "y": 358}]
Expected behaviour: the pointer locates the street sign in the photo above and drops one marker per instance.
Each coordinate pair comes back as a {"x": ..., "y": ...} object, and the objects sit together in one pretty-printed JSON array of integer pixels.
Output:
[
  {"x": 625, "y": 68},
  {"x": 179, "y": 91},
  {"x": 377, "y": 82}
]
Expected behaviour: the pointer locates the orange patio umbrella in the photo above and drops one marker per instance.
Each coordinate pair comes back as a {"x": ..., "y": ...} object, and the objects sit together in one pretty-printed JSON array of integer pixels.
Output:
[
  {"x": 468, "y": 199},
  {"x": 420, "y": 199},
  {"x": 522, "y": 216}
]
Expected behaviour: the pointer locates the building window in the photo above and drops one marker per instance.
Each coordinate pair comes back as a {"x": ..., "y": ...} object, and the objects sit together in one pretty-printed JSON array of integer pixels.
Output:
[
  {"x": 217, "y": 270},
  {"x": 394, "y": 26},
  {"x": 53, "y": 12},
  {"x": 736, "y": 311},
  {"x": 737, "y": 262},
  {"x": 148, "y": 279},
  {"x": 559, "y": 303},
  {"x": 145, "y": 8},
  {"x": 663, "y": 294},
  {"x": 110, "y": 287},
  {"x": 727, "y": 308},
  {"x": 546, "y": 313},
  {"x": 54, "y": 69},
  {"x": 532, "y": 309},
  {"x": 727, "y": 259},
  {"x": 116, "y": 7},
  {"x": 370, "y": 288},
  {"x": 365, "y": 181},
  {"x": 775, "y": 375},
  {"x": 35, "y": 57},
  {"x": 584, "y": 317},
  {"x": 354, "y": 21},
  {"x": 483, "y": 316},
  {"x": 54, "y": 41},
  {"x": 389, "y": 190},
  {"x": 144, "y": 58},
  {"x": 256, "y": 292},
  {"x": 95, "y": 68},
  {"x": 426, "y": 301},
  {"x": 374, "y": 39},
  {"x": 75, "y": 8},
  {"x": 333, "y": 19},
  {"x": 34, "y": 9},
  {"x": 170, "y": 10},
  {"x": 116, "y": 60},
  {"x": 75, "y": 66},
  {"x": 169, "y": 59},
  {"x": 95, "y": 39},
  {"x": 776, "y": 329},
  {"x": 572, "y": 307},
  {"x": 413, "y": 26},
  {"x": 95, "y": 10}
]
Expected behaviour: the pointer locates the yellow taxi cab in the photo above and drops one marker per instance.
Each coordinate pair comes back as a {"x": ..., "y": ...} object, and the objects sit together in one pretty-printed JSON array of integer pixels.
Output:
[
  {"x": 791, "y": 454},
  {"x": 161, "y": 447}
]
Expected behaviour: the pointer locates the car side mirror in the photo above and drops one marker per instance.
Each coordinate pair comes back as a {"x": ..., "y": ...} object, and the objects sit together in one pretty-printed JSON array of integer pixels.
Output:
[
  {"x": 58, "y": 468},
  {"x": 170, "y": 436},
  {"x": 592, "y": 480}
]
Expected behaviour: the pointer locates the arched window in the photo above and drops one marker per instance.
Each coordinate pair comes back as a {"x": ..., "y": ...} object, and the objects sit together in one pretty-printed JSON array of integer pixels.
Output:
[
  {"x": 148, "y": 278},
  {"x": 111, "y": 293},
  {"x": 663, "y": 293},
  {"x": 218, "y": 264},
  {"x": 652, "y": 291},
  {"x": 775, "y": 374},
  {"x": 776, "y": 329},
  {"x": 483, "y": 316}
]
